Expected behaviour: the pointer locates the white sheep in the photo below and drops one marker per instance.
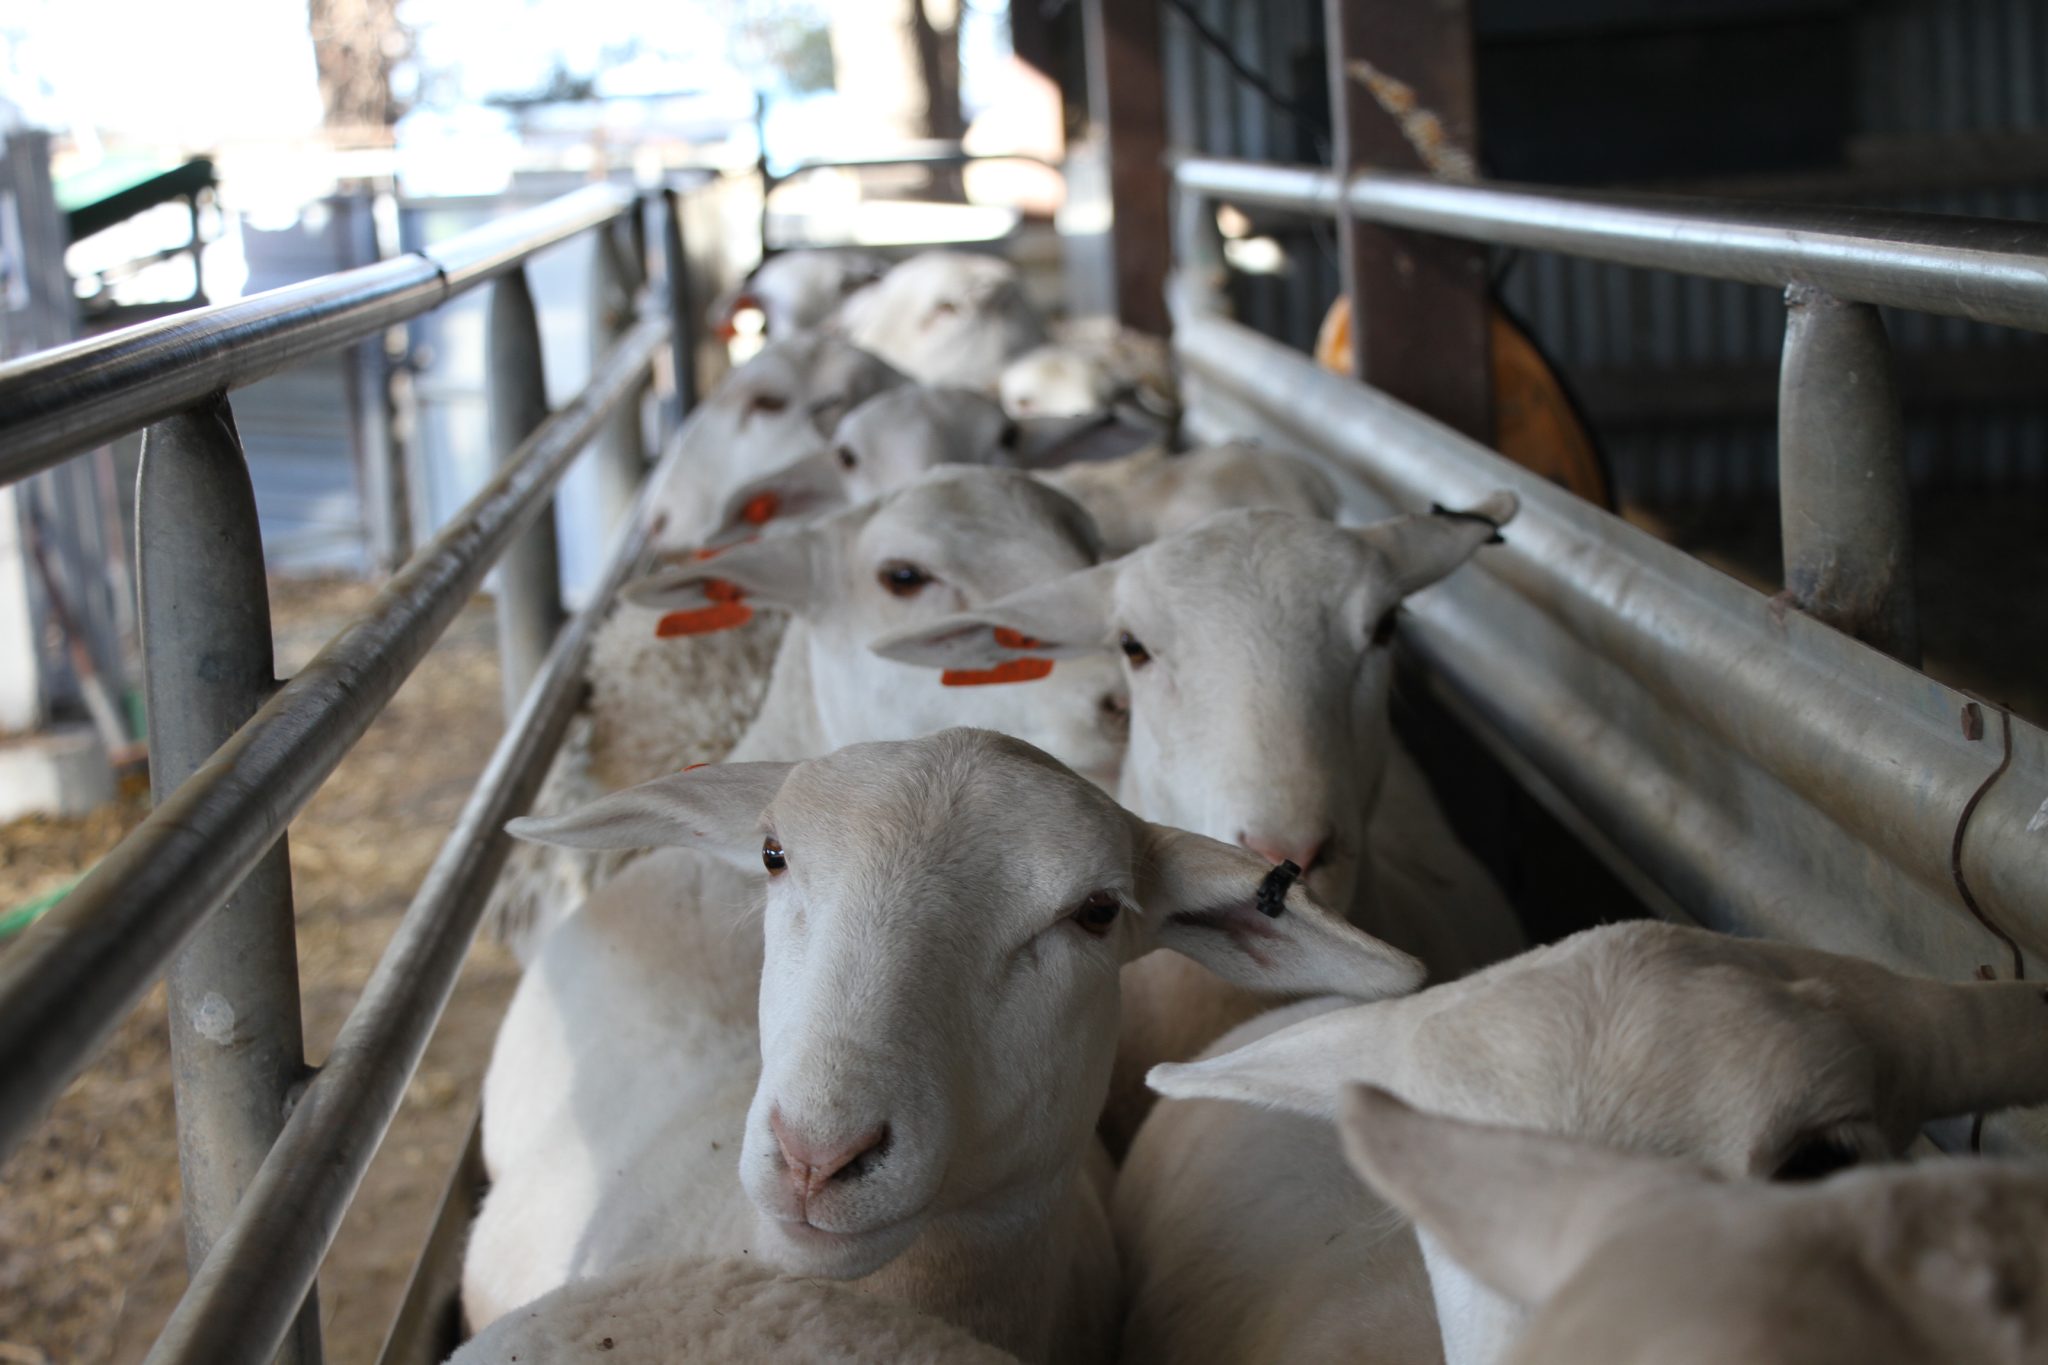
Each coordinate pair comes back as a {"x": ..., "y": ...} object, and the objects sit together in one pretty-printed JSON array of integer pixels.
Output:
[
  {"x": 945, "y": 317},
  {"x": 1140, "y": 497},
  {"x": 1759, "y": 1060},
  {"x": 877, "y": 448},
  {"x": 1094, "y": 365},
  {"x": 1635, "y": 1260},
  {"x": 797, "y": 291},
  {"x": 712, "y": 1310},
  {"x": 943, "y": 922},
  {"x": 1135, "y": 498},
  {"x": 656, "y": 704},
  {"x": 775, "y": 410},
  {"x": 957, "y": 537},
  {"x": 1256, "y": 649}
]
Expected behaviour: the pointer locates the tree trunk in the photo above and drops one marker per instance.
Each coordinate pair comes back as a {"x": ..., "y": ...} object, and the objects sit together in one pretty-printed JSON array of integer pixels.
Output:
[{"x": 355, "y": 43}]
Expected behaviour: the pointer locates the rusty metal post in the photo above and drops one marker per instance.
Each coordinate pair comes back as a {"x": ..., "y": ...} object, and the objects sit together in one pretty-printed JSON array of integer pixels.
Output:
[
  {"x": 1402, "y": 98},
  {"x": 682, "y": 313},
  {"x": 529, "y": 576},
  {"x": 621, "y": 448},
  {"x": 1126, "y": 97},
  {"x": 1842, "y": 484},
  {"x": 236, "y": 1045}
]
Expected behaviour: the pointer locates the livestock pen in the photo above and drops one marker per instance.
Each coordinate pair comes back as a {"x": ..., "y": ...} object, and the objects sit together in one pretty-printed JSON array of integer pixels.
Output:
[{"x": 1770, "y": 766}]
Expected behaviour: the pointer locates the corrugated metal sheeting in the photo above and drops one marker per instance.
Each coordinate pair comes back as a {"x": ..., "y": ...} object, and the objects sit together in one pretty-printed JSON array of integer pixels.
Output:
[{"x": 1679, "y": 375}]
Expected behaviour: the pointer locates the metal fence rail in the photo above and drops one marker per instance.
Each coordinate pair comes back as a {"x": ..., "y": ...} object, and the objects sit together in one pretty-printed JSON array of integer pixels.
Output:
[
  {"x": 203, "y": 885},
  {"x": 1735, "y": 761},
  {"x": 1842, "y": 459}
]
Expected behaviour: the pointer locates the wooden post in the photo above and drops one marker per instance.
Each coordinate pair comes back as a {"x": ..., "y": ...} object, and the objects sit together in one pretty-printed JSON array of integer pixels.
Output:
[
  {"x": 1402, "y": 98},
  {"x": 1127, "y": 100}
]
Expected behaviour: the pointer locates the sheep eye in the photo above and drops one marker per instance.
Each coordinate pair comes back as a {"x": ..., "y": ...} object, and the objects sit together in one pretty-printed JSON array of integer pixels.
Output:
[
  {"x": 1383, "y": 632},
  {"x": 1097, "y": 913},
  {"x": 1133, "y": 650},
  {"x": 903, "y": 579},
  {"x": 766, "y": 404},
  {"x": 847, "y": 459},
  {"x": 1817, "y": 1156},
  {"x": 772, "y": 856},
  {"x": 944, "y": 308}
]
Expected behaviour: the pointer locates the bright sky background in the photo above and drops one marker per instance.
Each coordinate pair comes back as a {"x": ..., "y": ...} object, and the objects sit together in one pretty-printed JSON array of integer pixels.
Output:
[
  {"x": 194, "y": 77},
  {"x": 169, "y": 72}
]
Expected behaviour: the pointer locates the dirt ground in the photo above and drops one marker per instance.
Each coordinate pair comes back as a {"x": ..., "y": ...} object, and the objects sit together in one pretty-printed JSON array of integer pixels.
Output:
[{"x": 91, "y": 1253}]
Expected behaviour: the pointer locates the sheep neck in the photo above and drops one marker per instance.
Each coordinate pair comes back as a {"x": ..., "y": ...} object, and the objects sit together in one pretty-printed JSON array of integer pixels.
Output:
[{"x": 1034, "y": 1275}]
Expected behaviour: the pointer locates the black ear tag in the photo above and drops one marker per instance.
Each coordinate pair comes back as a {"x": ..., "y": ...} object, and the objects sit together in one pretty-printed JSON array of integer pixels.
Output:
[
  {"x": 1439, "y": 510},
  {"x": 1272, "y": 897}
]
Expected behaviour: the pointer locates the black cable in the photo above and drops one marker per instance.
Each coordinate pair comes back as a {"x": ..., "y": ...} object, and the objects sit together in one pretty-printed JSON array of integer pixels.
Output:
[{"x": 1317, "y": 129}]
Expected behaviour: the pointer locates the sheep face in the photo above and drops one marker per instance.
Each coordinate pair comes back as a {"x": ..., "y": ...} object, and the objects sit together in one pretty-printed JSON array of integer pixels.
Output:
[
  {"x": 1755, "y": 1059},
  {"x": 945, "y": 317},
  {"x": 958, "y": 537},
  {"x": 796, "y": 291},
  {"x": 1055, "y": 381},
  {"x": 1630, "y": 1260},
  {"x": 945, "y": 919},
  {"x": 776, "y": 410},
  {"x": 882, "y": 445},
  {"x": 1254, "y": 647}
]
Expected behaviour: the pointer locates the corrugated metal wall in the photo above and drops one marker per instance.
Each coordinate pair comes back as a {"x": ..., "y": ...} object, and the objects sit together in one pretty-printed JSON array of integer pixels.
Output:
[{"x": 1679, "y": 375}]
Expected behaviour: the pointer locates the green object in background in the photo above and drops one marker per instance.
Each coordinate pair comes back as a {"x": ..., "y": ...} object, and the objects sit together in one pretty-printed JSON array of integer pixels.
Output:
[{"x": 21, "y": 917}]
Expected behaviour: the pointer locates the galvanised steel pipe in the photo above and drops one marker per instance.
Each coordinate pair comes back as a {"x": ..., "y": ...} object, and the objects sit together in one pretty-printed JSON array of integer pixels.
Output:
[
  {"x": 476, "y": 255},
  {"x": 529, "y": 597},
  {"x": 56, "y": 403},
  {"x": 620, "y": 459},
  {"x": 1990, "y": 270},
  {"x": 209, "y": 665},
  {"x": 1766, "y": 767},
  {"x": 65, "y": 985},
  {"x": 240, "y": 1303},
  {"x": 682, "y": 312},
  {"x": 1842, "y": 485}
]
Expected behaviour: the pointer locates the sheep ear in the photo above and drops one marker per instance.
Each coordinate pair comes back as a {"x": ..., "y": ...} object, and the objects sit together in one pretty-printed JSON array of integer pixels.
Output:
[
  {"x": 1958, "y": 1048},
  {"x": 718, "y": 590},
  {"x": 716, "y": 809},
  {"x": 1421, "y": 550},
  {"x": 1067, "y": 618},
  {"x": 1255, "y": 926},
  {"x": 804, "y": 489},
  {"x": 1299, "y": 1068},
  {"x": 1520, "y": 1210}
]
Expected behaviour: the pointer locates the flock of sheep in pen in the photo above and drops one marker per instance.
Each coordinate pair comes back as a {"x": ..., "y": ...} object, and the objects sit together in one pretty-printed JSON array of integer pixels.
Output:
[{"x": 1037, "y": 969}]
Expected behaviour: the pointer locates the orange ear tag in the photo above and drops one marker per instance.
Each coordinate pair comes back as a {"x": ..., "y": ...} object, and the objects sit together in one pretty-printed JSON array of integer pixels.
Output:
[
  {"x": 1009, "y": 671},
  {"x": 694, "y": 766},
  {"x": 761, "y": 508},
  {"x": 1011, "y": 639},
  {"x": 722, "y": 590},
  {"x": 703, "y": 620}
]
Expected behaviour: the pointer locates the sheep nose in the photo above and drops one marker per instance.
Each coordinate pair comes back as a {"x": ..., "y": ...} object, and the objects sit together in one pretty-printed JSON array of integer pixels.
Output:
[
  {"x": 814, "y": 1163},
  {"x": 1303, "y": 853}
]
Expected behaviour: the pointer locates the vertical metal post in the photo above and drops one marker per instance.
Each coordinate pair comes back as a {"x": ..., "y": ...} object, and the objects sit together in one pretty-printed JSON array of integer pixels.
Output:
[
  {"x": 1200, "y": 274},
  {"x": 682, "y": 311},
  {"x": 529, "y": 575},
  {"x": 236, "y": 1046},
  {"x": 1127, "y": 99},
  {"x": 1402, "y": 98},
  {"x": 621, "y": 452},
  {"x": 1842, "y": 484}
]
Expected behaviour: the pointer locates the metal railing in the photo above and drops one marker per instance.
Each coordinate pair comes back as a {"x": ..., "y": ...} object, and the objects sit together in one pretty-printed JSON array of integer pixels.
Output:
[
  {"x": 1736, "y": 762},
  {"x": 272, "y": 1154}
]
